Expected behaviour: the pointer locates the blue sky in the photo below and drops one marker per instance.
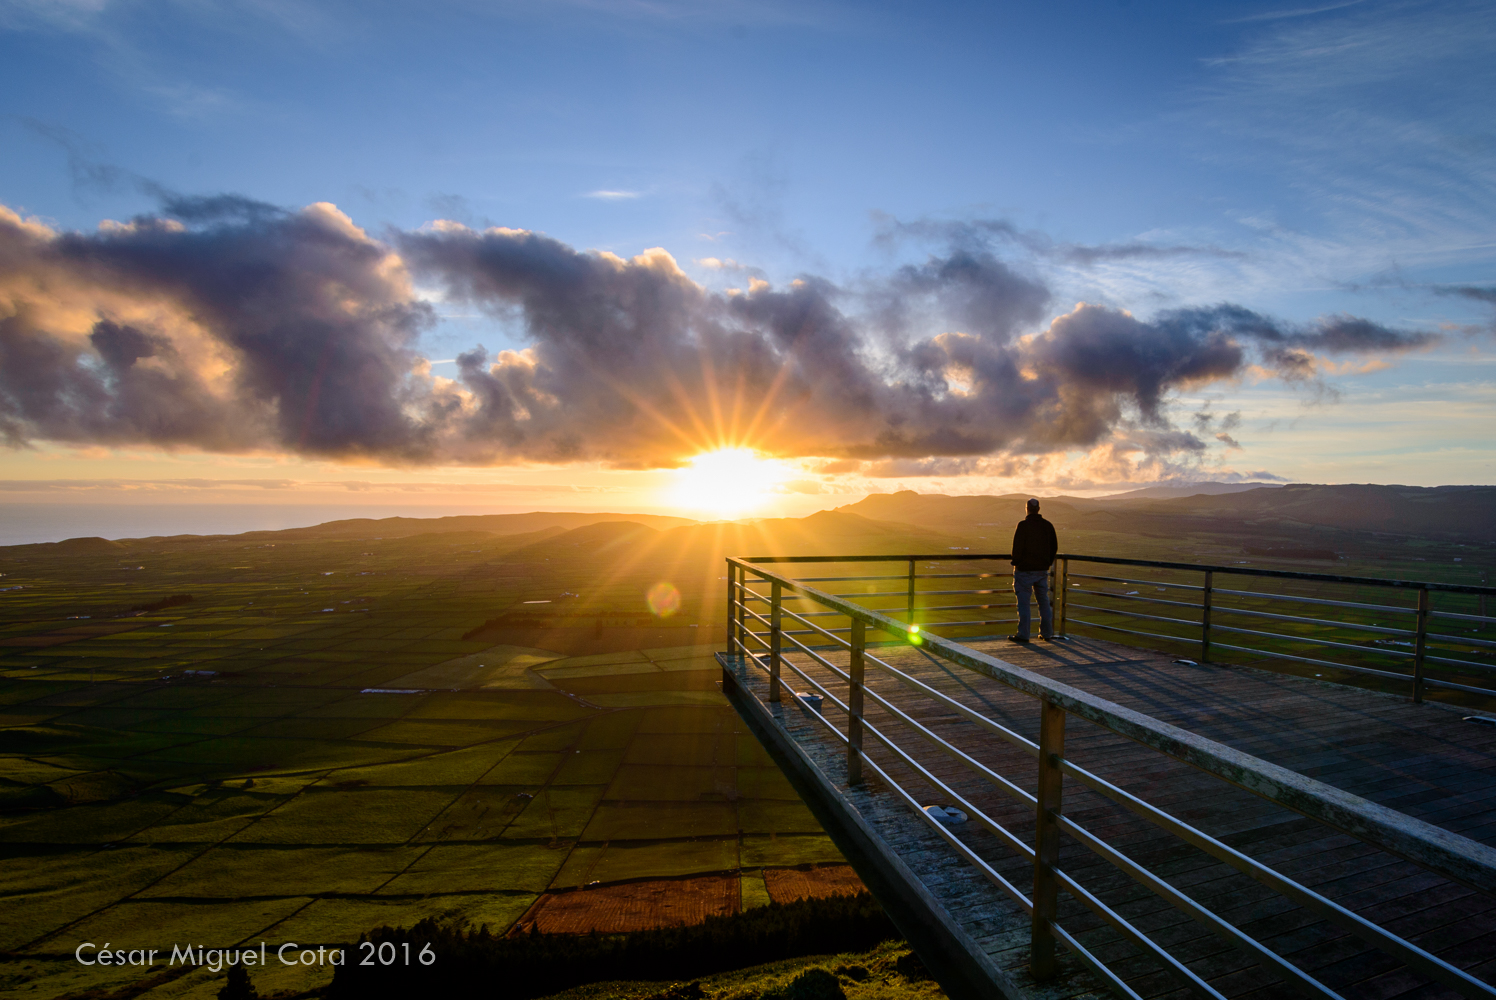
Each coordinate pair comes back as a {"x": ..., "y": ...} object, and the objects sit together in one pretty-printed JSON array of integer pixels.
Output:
[{"x": 1299, "y": 161}]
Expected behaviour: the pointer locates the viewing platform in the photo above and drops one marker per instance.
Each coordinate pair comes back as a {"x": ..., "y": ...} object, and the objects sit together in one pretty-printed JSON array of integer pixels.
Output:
[{"x": 1208, "y": 829}]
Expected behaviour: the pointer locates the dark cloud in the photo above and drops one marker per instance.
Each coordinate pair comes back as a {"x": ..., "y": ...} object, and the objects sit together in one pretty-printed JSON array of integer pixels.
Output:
[
  {"x": 1479, "y": 294},
  {"x": 218, "y": 208},
  {"x": 975, "y": 234},
  {"x": 227, "y": 324},
  {"x": 258, "y": 329}
]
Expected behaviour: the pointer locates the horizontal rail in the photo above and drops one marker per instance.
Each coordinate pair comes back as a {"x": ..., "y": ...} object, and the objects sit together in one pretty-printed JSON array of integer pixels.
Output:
[
  {"x": 1486, "y": 619},
  {"x": 966, "y": 607},
  {"x": 1284, "y": 968},
  {"x": 1227, "y": 609},
  {"x": 1006, "y": 836},
  {"x": 1410, "y": 954},
  {"x": 1415, "y": 957},
  {"x": 1458, "y": 858},
  {"x": 1133, "y": 631},
  {"x": 1330, "y": 664},
  {"x": 1452, "y": 686},
  {"x": 1160, "y": 584},
  {"x": 1455, "y": 857},
  {"x": 1446, "y": 661},
  {"x": 1311, "y": 640},
  {"x": 1460, "y": 640},
  {"x": 1285, "y": 574},
  {"x": 1326, "y": 602},
  {"x": 1138, "y": 614},
  {"x": 1135, "y": 597},
  {"x": 750, "y": 562}
]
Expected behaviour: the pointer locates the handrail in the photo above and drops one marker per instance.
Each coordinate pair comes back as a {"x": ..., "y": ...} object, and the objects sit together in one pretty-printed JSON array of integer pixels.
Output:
[
  {"x": 1439, "y": 851},
  {"x": 1458, "y": 858},
  {"x": 1427, "y": 644},
  {"x": 1279, "y": 574},
  {"x": 1455, "y": 857}
]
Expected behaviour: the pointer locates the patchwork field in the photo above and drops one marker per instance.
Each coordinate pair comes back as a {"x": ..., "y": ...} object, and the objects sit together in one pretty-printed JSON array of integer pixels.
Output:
[
  {"x": 310, "y": 748},
  {"x": 301, "y": 735}
]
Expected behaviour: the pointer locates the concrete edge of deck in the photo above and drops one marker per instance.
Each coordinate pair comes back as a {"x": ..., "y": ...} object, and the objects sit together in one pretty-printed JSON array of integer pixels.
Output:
[{"x": 955, "y": 961}]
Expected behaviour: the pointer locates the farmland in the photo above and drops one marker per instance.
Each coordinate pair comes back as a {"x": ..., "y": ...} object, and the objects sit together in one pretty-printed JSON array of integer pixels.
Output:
[
  {"x": 317, "y": 743},
  {"x": 508, "y": 720}
]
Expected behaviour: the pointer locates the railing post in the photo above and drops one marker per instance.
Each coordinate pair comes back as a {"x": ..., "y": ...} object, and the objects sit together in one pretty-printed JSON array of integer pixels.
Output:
[
  {"x": 774, "y": 641},
  {"x": 1058, "y": 596},
  {"x": 1047, "y": 840},
  {"x": 737, "y": 580},
  {"x": 731, "y": 649},
  {"x": 1419, "y": 649},
  {"x": 854, "y": 704},
  {"x": 1205, "y": 617},
  {"x": 911, "y": 592}
]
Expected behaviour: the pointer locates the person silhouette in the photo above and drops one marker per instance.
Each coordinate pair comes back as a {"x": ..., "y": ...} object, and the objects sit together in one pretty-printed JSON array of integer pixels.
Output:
[{"x": 1034, "y": 546}]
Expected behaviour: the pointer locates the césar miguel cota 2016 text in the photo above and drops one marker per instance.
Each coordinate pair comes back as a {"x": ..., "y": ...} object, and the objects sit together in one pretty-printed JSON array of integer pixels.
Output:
[{"x": 218, "y": 959}]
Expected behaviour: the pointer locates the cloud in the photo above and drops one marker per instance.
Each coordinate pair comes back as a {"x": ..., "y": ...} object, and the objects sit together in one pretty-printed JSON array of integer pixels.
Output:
[
  {"x": 1366, "y": 109},
  {"x": 1486, "y": 295},
  {"x": 612, "y": 195},
  {"x": 229, "y": 325},
  {"x": 197, "y": 486},
  {"x": 983, "y": 233},
  {"x": 234, "y": 327},
  {"x": 1279, "y": 15}
]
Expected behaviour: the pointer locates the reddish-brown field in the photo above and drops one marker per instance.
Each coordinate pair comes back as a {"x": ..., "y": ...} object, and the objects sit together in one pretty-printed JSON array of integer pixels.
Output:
[
  {"x": 647, "y": 904},
  {"x": 633, "y": 906},
  {"x": 805, "y": 882}
]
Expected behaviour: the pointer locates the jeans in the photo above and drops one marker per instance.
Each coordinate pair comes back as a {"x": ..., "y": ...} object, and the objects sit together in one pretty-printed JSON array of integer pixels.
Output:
[{"x": 1038, "y": 579}]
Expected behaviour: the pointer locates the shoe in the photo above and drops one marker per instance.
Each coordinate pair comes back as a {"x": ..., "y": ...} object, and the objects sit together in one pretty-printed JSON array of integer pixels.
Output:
[
  {"x": 1050, "y": 638},
  {"x": 1018, "y": 638}
]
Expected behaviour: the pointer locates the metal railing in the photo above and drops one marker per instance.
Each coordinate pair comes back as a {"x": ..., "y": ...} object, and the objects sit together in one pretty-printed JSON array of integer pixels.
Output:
[
  {"x": 1388, "y": 629},
  {"x": 769, "y": 633}
]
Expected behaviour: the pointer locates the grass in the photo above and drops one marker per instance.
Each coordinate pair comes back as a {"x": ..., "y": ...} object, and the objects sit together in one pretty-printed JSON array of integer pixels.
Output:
[
  {"x": 888, "y": 972},
  {"x": 531, "y": 965},
  {"x": 278, "y": 793},
  {"x": 274, "y": 796}
]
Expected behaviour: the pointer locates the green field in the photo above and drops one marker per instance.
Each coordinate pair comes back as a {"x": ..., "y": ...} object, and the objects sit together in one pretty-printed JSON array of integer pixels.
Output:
[
  {"x": 351, "y": 760},
  {"x": 358, "y": 725}
]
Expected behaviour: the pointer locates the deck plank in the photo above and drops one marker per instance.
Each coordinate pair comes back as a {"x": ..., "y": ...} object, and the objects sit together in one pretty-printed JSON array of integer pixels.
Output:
[{"x": 1421, "y": 760}]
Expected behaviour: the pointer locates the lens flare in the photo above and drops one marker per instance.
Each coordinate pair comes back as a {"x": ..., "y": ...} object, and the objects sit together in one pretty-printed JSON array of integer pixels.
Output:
[{"x": 664, "y": 599}]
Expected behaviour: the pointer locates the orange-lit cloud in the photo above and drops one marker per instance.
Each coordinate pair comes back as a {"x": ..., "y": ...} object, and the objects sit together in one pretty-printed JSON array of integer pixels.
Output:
[{"x": 227, "y": 325}]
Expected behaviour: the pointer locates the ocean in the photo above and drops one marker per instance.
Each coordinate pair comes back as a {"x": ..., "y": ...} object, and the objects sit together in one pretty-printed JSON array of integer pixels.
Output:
[{"x": 24, "y": 523}]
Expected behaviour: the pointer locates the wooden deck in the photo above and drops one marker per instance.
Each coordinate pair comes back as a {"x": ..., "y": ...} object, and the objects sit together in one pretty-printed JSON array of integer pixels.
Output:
[{"x": 1420, "y": 760}]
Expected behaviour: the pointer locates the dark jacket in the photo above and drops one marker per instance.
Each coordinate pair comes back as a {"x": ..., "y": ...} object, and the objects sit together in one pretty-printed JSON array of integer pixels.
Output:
[{"x": 1034, "y": 544}]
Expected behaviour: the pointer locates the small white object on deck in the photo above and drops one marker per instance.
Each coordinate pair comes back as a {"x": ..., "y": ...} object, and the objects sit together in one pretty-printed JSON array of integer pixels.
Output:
[{"x": 944, "y": 816}]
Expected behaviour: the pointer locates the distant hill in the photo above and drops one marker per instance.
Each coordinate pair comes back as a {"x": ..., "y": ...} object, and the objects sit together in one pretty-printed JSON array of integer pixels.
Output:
[
  {"x": 389, "y": 527},
  {"x": 1188, "y": 490},
  {"x": 497, "y": 524},
  {"x": 1450, "y": 512},
  {"x": 595, "y": 540},
  {"x": 963, "y": 514},
  {"x": 1466, "y": 512},
  {"x": 823, "y": 533}
]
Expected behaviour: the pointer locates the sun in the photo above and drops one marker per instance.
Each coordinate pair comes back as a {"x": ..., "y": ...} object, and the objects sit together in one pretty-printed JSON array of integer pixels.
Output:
[{"x": 728, "y": 482}]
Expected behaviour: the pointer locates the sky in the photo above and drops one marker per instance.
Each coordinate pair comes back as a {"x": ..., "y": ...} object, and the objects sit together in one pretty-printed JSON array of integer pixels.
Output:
[{"x": 730, "y": 259}]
